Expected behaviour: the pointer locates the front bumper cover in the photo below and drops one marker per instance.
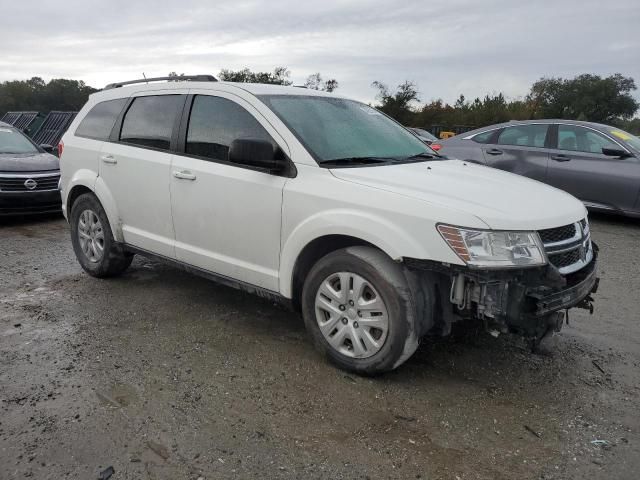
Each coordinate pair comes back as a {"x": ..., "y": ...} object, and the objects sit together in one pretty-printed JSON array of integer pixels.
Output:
[{"x": 24, "y": 203}]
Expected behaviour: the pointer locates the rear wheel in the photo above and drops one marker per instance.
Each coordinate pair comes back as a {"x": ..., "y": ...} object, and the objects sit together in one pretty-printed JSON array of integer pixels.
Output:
[
  {"x": 93, "y": 243},
  {"x": 358, "y": 308}
]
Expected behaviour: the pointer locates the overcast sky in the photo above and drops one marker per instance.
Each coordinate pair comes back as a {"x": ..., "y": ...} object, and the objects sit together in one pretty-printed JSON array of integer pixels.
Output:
[{"x": 446, "y": 47}]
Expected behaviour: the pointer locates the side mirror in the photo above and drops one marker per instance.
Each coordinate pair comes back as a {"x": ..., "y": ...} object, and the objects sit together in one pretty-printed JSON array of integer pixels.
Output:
[
  {"x": 256, "y": 153},
  {"x": 616, "y": 152},
  {"x": 46, "y": 147}
]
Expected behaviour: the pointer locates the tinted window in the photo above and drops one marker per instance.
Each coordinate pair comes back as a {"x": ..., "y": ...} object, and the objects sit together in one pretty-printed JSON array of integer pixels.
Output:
[
  {"x": 215, "y": 122},
  {"x": 524, "y": 135},
  {"x": 149, "y": 121},
  {"x": 99, "y": 121},
  {"x": 483, "y": 137},
  {"x": 580, "y": 139},
  {"x": 333, "y": 128}
]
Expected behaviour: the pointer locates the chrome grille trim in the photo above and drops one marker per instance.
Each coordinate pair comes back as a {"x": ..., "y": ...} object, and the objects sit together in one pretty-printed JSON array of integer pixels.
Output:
[
  {"x": 561, "y": 250},
  {"x": 15, "y": 182}
]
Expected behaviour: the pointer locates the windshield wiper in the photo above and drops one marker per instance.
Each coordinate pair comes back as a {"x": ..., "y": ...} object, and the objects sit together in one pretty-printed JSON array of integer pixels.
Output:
[
  {"x": 356, "y": 161},
  {"x": 425, "y": 155}
]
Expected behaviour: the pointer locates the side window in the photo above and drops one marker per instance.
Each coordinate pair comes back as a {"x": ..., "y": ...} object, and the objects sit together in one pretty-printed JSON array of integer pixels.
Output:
[
  {"x": 579, "y": 139},
  {"x": 483, "y": 137},
  {"x": 97, "y": 124},
  {"x": 533, "y": 135},
  {"x": 215, "y": 122},
  {"x": 149, "y": 121}
]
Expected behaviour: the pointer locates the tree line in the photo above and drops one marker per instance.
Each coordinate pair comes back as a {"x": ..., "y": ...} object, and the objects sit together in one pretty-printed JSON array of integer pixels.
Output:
[{"x": 584, "y": 97}]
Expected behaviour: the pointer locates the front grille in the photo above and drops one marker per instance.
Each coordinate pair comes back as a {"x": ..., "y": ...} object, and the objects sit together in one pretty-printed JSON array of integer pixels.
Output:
[
  {"x": 565, "y": 259},
  {"x": 17, "y": 184},
  {"x": 568, "y": 247},
  {"x": 552, "y": 235}
]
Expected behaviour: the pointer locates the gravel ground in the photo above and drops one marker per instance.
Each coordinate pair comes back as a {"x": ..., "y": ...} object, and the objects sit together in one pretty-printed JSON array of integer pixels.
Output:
[{"x": 164, "y": 375}]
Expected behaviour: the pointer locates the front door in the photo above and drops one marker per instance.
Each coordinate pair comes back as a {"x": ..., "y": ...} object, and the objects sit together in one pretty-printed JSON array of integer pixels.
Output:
[
  {"x": 227, "y": 217},
  {"x": 579, "y": 167}
]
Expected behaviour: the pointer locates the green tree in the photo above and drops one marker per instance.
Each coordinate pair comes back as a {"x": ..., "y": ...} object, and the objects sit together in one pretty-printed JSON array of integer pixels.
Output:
[
  {"x": 398, "y": 104},
  {"x": 315, "y": 82},
  {"x": 279, "y": 76},
  {"x": 35, "y": 94},
  {"x": 586, "y": 96}
]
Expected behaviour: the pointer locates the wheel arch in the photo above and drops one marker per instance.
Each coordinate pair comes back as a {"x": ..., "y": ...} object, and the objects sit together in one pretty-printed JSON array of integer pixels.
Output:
[
  {"x": 89, "y": 182},
  {"x": 314, "y": 251}
]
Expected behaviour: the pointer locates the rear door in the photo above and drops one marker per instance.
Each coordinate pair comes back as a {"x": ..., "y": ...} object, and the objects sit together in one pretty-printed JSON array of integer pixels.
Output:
[
  {"x": 579, "y": 167},
  {"x": 136, "y": 168},
  {"x": 227, "y": 216},
  {"x": 520, "y": 149}
]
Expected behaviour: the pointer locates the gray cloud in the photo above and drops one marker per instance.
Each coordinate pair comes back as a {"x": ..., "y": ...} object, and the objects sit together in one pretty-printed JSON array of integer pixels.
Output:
[{"x": 446, "y": 48}]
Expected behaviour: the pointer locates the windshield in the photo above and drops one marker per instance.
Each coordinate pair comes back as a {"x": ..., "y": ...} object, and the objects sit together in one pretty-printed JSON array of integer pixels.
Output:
[
  {"x": 13, "y": 142},
  {"x": 631, "y": 140},
  {"x": 335, "y": 128}
]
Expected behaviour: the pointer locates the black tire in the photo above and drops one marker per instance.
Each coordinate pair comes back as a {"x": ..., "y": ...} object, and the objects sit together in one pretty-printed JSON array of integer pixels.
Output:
[
  {"x": 114, "y": 259},
  {"x": 389, "y": 280}
]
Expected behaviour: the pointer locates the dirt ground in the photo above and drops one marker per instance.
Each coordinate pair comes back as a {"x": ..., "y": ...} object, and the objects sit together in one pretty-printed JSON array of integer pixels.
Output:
[{"x": 161, "y": 374}]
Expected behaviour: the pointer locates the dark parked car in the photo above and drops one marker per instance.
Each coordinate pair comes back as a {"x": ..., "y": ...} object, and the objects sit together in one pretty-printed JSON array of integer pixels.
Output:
[
  {"x": 596, "y": 163},
  {"x": 423, "y": 135},
  {"x": 29, "y": 176}
]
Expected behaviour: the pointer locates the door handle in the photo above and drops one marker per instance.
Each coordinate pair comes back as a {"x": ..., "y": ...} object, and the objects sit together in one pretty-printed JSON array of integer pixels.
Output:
[
  {"x": 494, "y": 151},
  {"x": 108, "y": 159},
  {"x": 560, "y": 158},
  {"x": 184, "y": 175}
]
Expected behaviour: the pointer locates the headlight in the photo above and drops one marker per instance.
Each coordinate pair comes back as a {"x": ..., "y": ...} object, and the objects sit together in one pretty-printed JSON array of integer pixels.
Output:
[{"x": 486, "y": 248}]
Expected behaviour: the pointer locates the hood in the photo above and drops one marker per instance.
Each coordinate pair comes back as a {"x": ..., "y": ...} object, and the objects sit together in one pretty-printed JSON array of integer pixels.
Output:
[
  {"x": 502, "y": 200},
  {"x": 28, "y": 162}
]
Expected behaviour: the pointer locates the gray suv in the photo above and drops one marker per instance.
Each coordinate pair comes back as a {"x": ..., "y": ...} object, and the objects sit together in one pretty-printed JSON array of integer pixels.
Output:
[{"x": 596, "y": 163}]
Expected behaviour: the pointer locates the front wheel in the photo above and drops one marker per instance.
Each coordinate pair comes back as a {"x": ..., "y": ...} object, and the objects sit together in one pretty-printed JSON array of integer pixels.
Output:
[
  {"x": 358, "y": 308},
  {"x": 92, "y": 239}
]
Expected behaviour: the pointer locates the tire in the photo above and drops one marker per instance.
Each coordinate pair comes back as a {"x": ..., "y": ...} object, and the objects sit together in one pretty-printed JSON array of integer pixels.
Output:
[
  {"x": 353, "y": 342},
  {"x": 90, "y": 226}
]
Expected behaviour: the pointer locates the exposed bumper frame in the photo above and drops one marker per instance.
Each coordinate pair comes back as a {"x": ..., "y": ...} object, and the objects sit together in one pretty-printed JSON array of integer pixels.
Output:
[{"x": 523, "y": 301}]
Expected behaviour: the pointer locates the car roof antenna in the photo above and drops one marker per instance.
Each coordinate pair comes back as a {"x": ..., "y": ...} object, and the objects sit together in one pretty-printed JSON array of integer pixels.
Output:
[{"x": 145, "y": 77}]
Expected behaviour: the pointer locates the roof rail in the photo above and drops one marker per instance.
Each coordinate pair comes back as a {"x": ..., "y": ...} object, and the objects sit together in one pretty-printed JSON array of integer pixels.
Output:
[{"x": 176, "y": 78}]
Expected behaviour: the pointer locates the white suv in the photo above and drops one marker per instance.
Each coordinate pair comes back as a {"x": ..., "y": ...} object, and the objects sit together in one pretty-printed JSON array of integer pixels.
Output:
[{"x": 323, "y": 203}]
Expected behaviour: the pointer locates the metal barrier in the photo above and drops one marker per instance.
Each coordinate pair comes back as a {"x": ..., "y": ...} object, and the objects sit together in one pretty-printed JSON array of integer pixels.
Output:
[
  {"x": 53, "y": 127},
  {"x": 28, "y": 122}
]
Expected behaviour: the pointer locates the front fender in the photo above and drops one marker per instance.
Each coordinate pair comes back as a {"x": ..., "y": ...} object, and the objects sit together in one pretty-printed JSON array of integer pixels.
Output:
[{"x": 384, "y": 234}]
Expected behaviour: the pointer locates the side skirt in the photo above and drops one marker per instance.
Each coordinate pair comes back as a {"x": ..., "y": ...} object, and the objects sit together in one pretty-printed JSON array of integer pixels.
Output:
[{"x": 221, "y": 279}]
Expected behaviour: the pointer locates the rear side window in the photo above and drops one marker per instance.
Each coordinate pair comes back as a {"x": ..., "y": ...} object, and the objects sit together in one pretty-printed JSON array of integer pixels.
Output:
[
  {"x": 149, "y": 121},
  {"x": 97, "y": 124},
  {"x": 215, "y": 122},
  {"x": 524, "y": 135},
  {"x": 483, "y": 137}
]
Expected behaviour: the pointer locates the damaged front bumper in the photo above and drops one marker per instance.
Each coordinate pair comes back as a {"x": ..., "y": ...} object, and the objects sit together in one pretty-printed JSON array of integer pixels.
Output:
[{"x": 529, "y": 302}]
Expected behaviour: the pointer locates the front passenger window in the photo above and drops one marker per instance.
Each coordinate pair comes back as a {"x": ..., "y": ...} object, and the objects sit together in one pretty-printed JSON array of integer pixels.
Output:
[
  {"x": 579, "y": 139},
  {"x": 215, "y": 122}
]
